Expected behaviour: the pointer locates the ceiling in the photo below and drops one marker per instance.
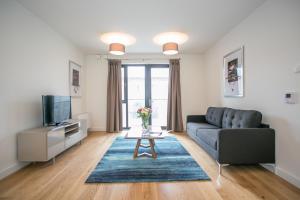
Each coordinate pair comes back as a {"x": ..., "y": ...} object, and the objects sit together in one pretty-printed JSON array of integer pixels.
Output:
[{"x": 82, "y": 21}]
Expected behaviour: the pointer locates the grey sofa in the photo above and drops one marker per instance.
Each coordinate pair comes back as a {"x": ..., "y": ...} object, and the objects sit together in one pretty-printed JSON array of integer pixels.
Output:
[{"x": 233, "y": 136}]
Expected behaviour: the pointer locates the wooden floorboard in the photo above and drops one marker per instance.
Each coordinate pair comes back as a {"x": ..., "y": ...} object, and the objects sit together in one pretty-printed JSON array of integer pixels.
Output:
[{"x": 66, "y": 179}]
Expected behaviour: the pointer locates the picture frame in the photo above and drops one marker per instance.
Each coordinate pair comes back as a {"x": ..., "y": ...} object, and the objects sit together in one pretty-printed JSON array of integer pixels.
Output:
[
  {"x": 75, "y": 79},
  {"x": 233, "y": 75}
]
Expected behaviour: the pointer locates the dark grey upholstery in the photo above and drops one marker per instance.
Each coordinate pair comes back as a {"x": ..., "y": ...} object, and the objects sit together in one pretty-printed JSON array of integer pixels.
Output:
[
  {"x": 214, "y": 116},
  {"x": 246, "y": 146},
  {"x": 209, "y": 136},
  {"x": 196, "y": 118},
  {"x": 238, "y": 137},
  {"x": 194, "y": 126},
  {"x": 211, "y": 151},
  {"x": 241, "y": 118}
]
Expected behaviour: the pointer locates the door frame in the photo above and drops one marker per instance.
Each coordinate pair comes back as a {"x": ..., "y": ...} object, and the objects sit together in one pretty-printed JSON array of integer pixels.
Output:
[{"x": 148, "y": 68}]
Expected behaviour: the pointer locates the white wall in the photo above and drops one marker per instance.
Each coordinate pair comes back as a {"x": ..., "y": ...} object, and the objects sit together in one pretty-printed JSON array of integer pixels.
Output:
[
  {"x": 96, "y": 86},
  {"x": 271, "y": 36},
  {"x": 192, "y": 84},
  {"x": 33, "y": 61}
]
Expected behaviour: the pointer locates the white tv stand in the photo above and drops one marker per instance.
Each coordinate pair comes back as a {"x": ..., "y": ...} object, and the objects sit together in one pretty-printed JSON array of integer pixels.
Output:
[{"x": 43, "y": 144}]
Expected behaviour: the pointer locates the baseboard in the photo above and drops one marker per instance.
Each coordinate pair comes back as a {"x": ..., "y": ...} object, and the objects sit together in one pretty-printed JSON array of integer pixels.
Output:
[
  {"x": 12, "y": 169},
  {"x": 288, "y": 177},
  {"x": 270, "y": 167},
  {"x": 93, "y": 129}
]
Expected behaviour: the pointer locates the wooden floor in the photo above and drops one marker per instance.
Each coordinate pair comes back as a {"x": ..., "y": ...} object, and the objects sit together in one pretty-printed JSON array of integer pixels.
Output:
[{"x": 65, "y": 179}]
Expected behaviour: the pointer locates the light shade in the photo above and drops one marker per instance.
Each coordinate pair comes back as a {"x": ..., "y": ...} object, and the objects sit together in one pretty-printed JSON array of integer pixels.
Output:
[
  {"x": 117, "y": 37},
  {"x": 117, "y": 49},
  {"x": 167, "y": 37},
  {"x": 170, "y": 48}
]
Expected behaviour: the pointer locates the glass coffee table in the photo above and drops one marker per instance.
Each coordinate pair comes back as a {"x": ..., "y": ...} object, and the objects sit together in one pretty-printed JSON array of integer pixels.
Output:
[{"x": 151, "y": 134}]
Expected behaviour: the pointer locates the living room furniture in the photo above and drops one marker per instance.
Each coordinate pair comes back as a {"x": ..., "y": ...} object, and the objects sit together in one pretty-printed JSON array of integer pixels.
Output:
[
  {"x": 44, "y": 143},
  {"x": 151, "y": 134},
  {"x": 233, "y": 136}
]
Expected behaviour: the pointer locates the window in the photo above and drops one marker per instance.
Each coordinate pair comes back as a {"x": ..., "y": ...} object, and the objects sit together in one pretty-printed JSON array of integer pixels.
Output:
[{"x": 145, "y": 85}]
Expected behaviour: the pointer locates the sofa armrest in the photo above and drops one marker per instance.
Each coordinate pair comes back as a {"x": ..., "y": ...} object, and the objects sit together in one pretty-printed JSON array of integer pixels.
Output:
[
  {"x": 246, "y": 146},
  {"x": 264, "y": 125},
  {"x": 195, "y": 118}
]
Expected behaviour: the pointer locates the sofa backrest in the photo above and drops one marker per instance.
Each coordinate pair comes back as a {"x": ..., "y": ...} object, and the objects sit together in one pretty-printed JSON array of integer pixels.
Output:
[
  {"x": 233, "y": 118},
  {"x": 214, "y": 115}
]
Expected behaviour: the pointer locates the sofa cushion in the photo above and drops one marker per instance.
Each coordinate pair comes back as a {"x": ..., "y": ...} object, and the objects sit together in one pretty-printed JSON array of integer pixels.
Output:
[
  {"x": 192, "y": 127},
  {"x": 234, "y": 118},
  {"x": 195, "y": 126},
  {"x": 214, "y": 116},
  {"x": 209, "y": 136}
]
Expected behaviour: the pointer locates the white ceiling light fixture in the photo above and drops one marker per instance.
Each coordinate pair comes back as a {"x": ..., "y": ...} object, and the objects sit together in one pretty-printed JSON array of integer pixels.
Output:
[
  {"x": 117, "y": 49},
  {"x": 170, "y": 48},
  {"x": 170, "y": 41},
  {"x": 117, "y": 42}
]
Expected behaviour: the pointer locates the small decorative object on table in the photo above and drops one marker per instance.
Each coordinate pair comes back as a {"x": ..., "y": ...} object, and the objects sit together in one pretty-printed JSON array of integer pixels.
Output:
[
  {"x": 151, "y": 134},
  {"x": 144, "y": 113}
]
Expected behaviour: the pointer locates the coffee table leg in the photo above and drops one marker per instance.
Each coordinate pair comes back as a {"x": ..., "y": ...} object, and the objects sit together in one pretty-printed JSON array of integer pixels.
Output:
[
  {"x": 151, "y": 141},
  {"x": 137, "y": 146}
]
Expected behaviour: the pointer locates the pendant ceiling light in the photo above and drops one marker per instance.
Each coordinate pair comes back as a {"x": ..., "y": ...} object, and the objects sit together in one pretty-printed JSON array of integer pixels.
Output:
[
  {"x": 170, "y": 48},
  {"x": 117, "y": 42},
  {"x": 117, "y": 49},
  {"x": 170, "y": 41}
]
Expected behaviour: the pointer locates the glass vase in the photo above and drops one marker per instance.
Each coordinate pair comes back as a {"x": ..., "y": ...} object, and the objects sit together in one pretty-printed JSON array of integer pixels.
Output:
[{"x": 145, "y": 123}]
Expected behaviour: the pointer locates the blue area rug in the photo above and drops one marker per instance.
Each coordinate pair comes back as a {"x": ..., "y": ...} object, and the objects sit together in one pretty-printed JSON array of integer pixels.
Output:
[{"x": 173, "y": 163}]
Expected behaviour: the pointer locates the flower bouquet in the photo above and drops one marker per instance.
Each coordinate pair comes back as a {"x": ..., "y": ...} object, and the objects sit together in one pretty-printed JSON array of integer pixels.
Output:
[{"x": 144, "y": 113}]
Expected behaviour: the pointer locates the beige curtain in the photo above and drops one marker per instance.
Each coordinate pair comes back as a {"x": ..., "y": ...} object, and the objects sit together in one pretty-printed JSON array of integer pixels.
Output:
[
  {"x": 174, "y": 118},
  {"x": 114, "y": 97}
]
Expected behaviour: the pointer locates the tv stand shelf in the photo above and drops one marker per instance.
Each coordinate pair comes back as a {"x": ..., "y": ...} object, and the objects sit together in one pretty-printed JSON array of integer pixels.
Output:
[
  {"x": 43, "y": 144},
  {"x": 72, "y": 131},
  {"x": 72, "y": 128}
]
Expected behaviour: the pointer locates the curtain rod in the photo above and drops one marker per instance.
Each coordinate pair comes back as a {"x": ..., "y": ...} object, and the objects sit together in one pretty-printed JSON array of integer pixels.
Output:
[{"x": 143, "y": 59}]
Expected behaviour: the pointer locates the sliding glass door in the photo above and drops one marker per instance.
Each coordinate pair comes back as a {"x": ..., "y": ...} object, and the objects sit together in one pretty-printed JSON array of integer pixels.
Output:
[
  {"x": 159, "y": 95},
  {"x": 145, "y": 85}
]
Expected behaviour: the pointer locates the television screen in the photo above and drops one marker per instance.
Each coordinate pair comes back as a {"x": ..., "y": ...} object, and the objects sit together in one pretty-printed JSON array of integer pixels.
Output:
[{"x": 56, "y": 109}]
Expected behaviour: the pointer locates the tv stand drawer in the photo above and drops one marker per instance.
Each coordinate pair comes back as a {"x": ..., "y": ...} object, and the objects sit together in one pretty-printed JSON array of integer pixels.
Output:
[
  {"x": 55, "y": 150},
  {"x": 55, "y": 140},
  {"x": 72, "y": 139}
]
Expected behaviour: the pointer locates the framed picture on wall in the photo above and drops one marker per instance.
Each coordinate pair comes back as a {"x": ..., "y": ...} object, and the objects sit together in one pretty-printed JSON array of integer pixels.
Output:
[
  {"x": 234, "y": 73},
  {"x": 75, "y": 79}
]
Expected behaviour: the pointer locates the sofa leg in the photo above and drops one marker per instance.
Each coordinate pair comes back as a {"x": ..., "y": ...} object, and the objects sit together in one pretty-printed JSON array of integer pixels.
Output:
[{"x": 220, "y": 168}]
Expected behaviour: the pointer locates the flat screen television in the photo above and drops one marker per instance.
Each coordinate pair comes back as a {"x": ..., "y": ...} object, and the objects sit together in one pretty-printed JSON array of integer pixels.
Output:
[{"x": 56, "y": 109}]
